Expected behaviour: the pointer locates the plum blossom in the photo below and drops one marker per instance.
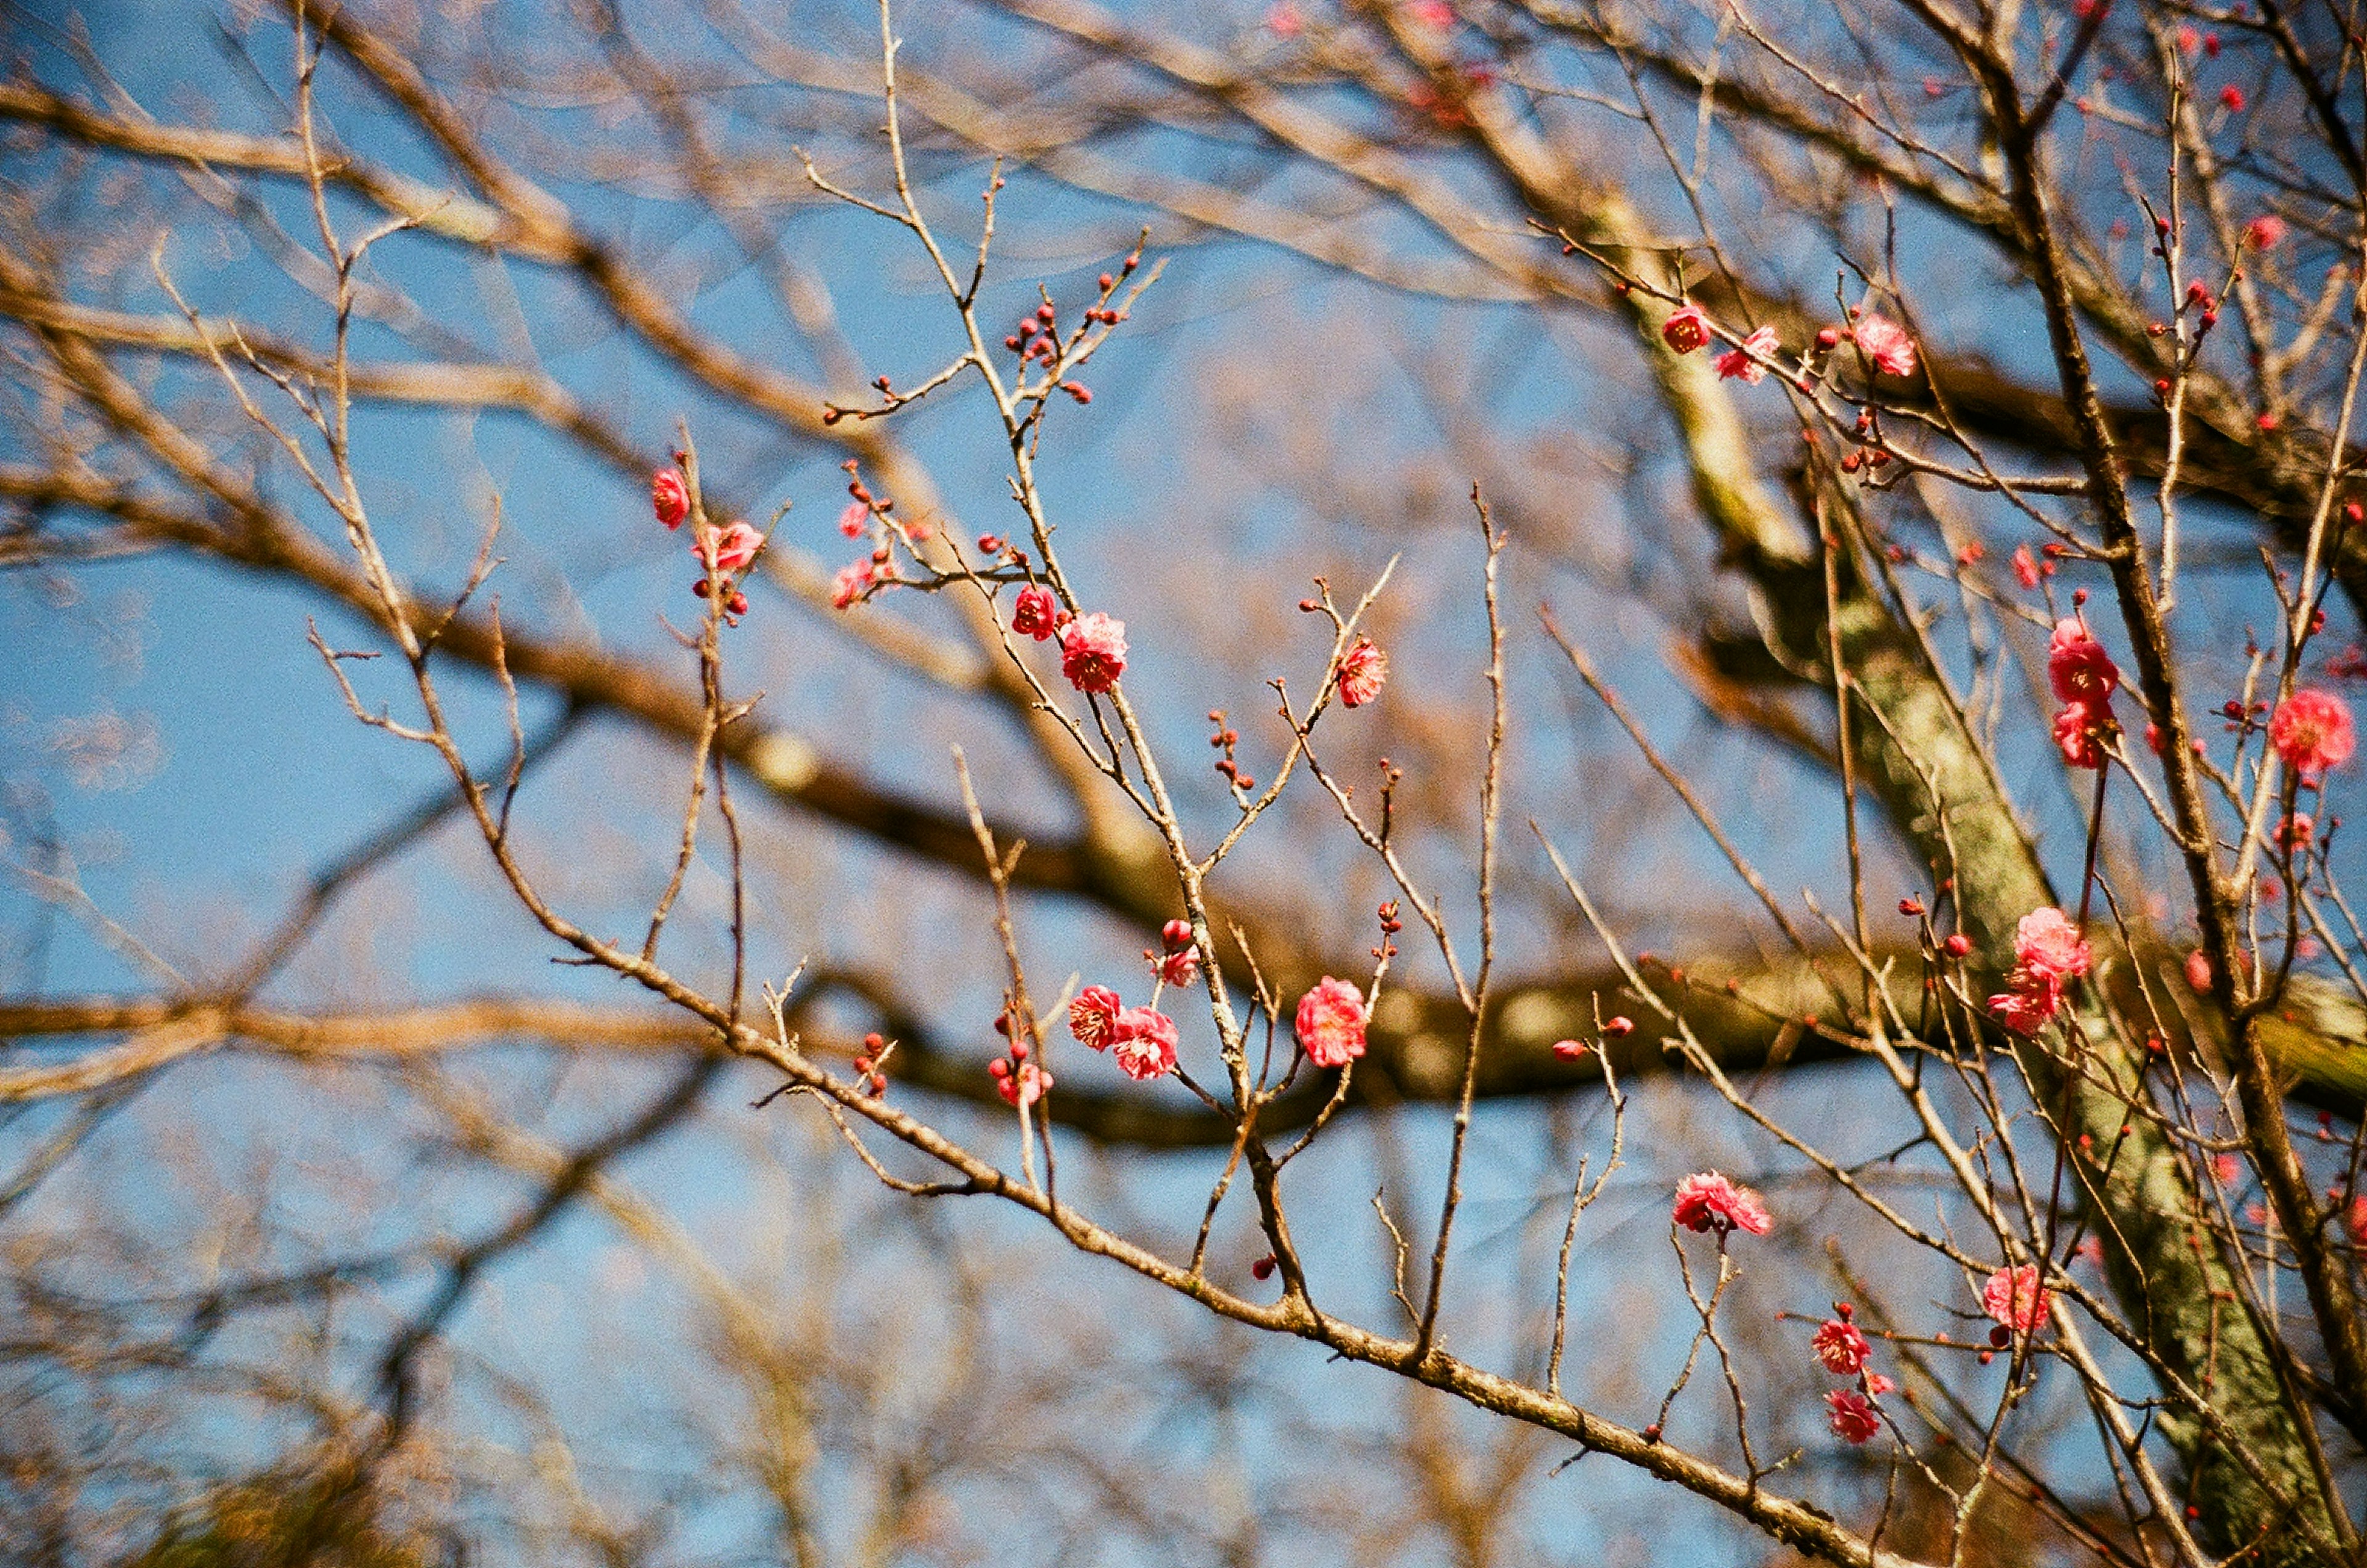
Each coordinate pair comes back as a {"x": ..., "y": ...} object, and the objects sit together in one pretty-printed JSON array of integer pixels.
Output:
[
  {"x": 1853, "y": 1416},
  {"x": 1887, "y": 344},
  {"x": 1144, "y": 1043},
  {"x": 1020, "y": 1088},
  {"x": 1710, "y": 1201},
  {"x": 1093, "y": 651},
  {"x": 2048, "y": 954},
  {"x": 1036, "y": 614},
  {"x": 1686, "y": 329},
  {"x": 2080, "y": 731},
  {"x": 2078, "y": 668},
  {"x": 2025, "y": 566},
  {"x": 1840, "y": 1348},
  {"x": 1093, "y": 1015},
  {"x": 2313, "y": 732},
  {"x": 1284, "y": 20},
  {"x": 669, "y": 498},
  {"x": 2264, "y": 232},
  {"x": 1743, "y": 362},
  {"x": 852, "y": 582},
  {"x": 1362, "y": 671},
  {"x": 2014, "y": 1297},
  {"x": 728, "y": 549},
  {"x": 1331, "y": 1023},
  {"x": 1434, "y": 13}
]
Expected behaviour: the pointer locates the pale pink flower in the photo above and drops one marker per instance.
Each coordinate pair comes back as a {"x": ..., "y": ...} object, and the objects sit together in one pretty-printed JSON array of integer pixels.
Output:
[
  {"x": 669, "y": 498},
  {"x": 1887, "y": 344},
  {"x": 1840, "y": 1348},
  {"x": 2047, "y": 946},
  {"x": 728, "y": 549},
  {"x": 2078, "y": 667},
  {"x": 1144, "y": 1043},
  {"x": 1331, "y": 1023},
  {"x": 1709, "y": 1202},
  {"x": 1037, "y": 613},
  {"x": 2312, "y": 731},
  {"x": 1686, "y": 329},
  {"x": 1745, "y": 362},
  {"x": 1093, "y": 651},
  {"x": 855, "y": 519},
  {"x": 851, "y": 582},
  {"x": 1853, "y": 1416},
  {"x": 2015, "y": 1298},
  {"x": 1284, "y": 20},
  {"x": 1362, "y": 671},
  {"x": 1093, "y": 1014}
]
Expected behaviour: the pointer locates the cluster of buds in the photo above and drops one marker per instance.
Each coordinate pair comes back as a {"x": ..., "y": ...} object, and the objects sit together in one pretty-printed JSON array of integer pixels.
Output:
[
  {"x": 868, "y": 1075},
  {"x": 1225, "y": 738},
  {"x": 874, "y": 515},
  {"x": 1019, "y": 1081},
  {"x": 1390, "y": 926},
  {"x": 1176, "y": 960}
]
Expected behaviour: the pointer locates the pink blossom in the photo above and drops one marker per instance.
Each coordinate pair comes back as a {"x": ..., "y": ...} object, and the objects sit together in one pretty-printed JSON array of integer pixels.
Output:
[
  {"x": 1284, "y": 20},
  {"x": 2312, "y": 731},
  {"x": 1331, "y": 1023},
  {"x": 2015, "y": 1298},
  {"x": 1175, "y": 968},
  {"x": 852, "y": 582},
  {"x": 1022, "y": 1088},
  {"x": 1434, "y": 13},
  {"x": 2233, "y": 98},
  {"x": 1686, "y": 329},
  {"x": 1037, "y": 613},
  {"x": 2027, "y": 1011},
  {"x": 2226, "y": 1169},
  {"x": 1093, "y": 651},
  {"x": 1743, "y": 363},
  {"x": 1709, "y": 1202},
  {"x": 1840, "y": 1348},
  {"x": 2264, "y": 232},
  {"x": 726, "y": 550},
  {"x": 1878, "y": 1385},
  {"x": 2047, "y": 946},
  {"x": 669, "y": 498},
  {"x": 1887, "y": 344},
  {"x": 1093, "y": 1015},
  {"x": 1362, "y": 671},
  {"x": 2078, "y": 667},
  {"x": 2080, "y": 731},
  {"x": 2189, "y": 40},
  {"x": 2025, "y": 566},
  {"x": 2355, "y": 1221},
  {"x": 1144, "y": 1043},
  {"x": 1854, "y": 1416}
]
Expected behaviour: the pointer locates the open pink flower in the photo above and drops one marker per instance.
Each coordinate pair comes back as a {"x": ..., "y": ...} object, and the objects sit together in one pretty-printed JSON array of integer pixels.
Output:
[
  {"x": 1745, "y": 362},
  {"x": 2029, "y": 1009},
  {"x": 669, "y": 498},
  {"x": 2015, "y": 1298},
  {"x": 1093, "y": 651},
  {"x": 1037, "y": 613},
  {"x": 2080, "y": 731},
  {"x": 1144, "y": 1043},
  {"x": 2312, "y": 731},
  {"x": 1093, "y": 1015},
  {"x": 2078, "y": 667},
  {"x": 1331, "y": 1023},
  {"x": 1887, "y": 344},
  {"x": 1840, "y": 1348},
  {"x": 1709, "y": 1202},
  {"x": 2264, "y": 232},
  {"x": 852, "y": 582},
  {"x": 2025, "y": 566},
  {"x": 1853, "y": 1416},
  {"x": 726, "y": 550},
  {"x": 855, "y": 519},
  {"x": 2046, "y": 946},
  {"x": 1686, "y": 329},
  {"x": 1362, "y": 671}
]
